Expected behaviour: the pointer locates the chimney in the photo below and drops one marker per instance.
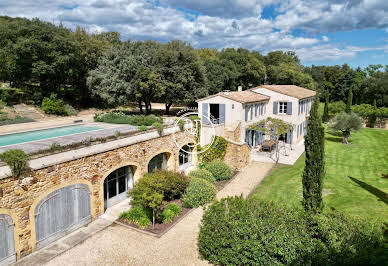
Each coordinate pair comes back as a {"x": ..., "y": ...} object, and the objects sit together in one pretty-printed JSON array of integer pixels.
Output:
[{"x": 239, "y": 88}]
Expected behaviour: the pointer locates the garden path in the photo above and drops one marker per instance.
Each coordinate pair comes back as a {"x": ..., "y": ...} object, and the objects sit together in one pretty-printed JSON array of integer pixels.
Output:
[{"x": 118, "y": 245}]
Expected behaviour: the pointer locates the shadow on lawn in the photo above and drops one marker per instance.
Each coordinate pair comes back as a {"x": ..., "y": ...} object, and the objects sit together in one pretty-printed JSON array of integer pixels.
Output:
[
  {"x": 334, "y": 139},
  {"x": 371, "y": 189}
]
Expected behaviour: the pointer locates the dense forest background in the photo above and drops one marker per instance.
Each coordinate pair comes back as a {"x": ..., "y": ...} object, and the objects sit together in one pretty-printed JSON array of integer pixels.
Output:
[{"x": 39, "y": 58}]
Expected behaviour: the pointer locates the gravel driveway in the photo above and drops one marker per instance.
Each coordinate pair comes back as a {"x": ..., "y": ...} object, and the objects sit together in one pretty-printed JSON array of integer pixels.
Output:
[{"x": 117, "y": 245}]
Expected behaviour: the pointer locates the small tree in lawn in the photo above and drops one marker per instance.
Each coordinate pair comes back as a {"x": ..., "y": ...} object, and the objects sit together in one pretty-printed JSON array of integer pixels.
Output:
[
  {"x": 273, "y": 127},
  {"x": 345, "y": 123},
  {"x": 325, "y": 116},
  {"x": 314, "y": 169},
  {"x": 350, "y": 101}
]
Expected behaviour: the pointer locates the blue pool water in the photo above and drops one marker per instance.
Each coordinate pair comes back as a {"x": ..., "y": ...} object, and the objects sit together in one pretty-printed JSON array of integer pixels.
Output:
[{"x": 44, "y": 134}]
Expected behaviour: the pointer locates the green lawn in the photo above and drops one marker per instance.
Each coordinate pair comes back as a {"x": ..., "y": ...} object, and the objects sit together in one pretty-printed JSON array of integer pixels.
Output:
[{"x": 353, "y": 176}]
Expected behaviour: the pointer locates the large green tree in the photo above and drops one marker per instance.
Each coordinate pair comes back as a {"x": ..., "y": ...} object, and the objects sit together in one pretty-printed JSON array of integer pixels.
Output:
[
  {"x": 314, "y": 169},
  {"x": 182, "y": 74},
  {"x": 129, "y": 72}
]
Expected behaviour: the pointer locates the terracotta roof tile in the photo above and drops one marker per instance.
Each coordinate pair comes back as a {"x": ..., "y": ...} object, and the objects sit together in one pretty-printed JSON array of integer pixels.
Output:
[
  {"x": 290, "y": 90},
  {"x": 240, "y": 96}
]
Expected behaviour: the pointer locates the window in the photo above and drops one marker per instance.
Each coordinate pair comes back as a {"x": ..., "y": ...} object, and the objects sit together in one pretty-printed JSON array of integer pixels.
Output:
[
  {"x": 158, "y": 162},
  {"x": 282, "y": 107},
  {"x": 185, "y": 157},
  {"x": 232, "y": 105}
]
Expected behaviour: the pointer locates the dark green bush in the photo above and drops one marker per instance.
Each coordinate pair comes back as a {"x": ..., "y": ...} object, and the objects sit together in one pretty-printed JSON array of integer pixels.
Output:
[
  {"x": 199, "y": 192},
  {"x": 219, "y": 169},
  {"x": 202, "y": 173},
  {"x": 159, "y": 128},
  {"x": 170, "y": 184},
  {"x": 235, "y": 231},
  {"x": 336, "y": 107},
  {"x": 216, "y": 151},
  {"x": 52, "y": 105},
  {"x": 16, "y": 159}
]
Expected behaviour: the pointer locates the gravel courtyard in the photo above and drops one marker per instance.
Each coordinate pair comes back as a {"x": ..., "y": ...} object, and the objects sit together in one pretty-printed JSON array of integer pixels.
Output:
[{"x": 117, "y": 245}]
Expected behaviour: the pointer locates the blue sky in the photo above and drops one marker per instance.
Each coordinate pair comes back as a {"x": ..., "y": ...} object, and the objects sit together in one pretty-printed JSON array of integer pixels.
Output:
[{"x": 320, "y": 32}]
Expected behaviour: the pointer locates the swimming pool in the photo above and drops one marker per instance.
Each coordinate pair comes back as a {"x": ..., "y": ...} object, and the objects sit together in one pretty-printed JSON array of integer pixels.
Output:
[{"x": 17, "y": 138}]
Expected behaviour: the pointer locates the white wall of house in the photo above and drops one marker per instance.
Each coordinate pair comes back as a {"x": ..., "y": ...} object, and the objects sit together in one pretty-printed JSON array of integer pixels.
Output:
[
  {"x": 233, "y": 109},
  {"x": 297, "y": 116},
  {"x": 235, "y": 112}
]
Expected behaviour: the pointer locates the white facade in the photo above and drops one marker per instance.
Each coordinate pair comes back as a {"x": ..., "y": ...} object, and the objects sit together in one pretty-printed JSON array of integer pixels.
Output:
[{"x": 287, "y": 108}]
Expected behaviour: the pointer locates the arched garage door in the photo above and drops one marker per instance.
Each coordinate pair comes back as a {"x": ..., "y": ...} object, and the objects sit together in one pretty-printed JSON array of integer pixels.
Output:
[
  {"x": 61, "y": 212},
  {"x": 7, "y": 245}
]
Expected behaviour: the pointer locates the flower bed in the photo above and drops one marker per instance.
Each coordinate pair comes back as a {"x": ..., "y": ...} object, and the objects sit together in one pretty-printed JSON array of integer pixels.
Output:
[{"x": 161, "y": 228}]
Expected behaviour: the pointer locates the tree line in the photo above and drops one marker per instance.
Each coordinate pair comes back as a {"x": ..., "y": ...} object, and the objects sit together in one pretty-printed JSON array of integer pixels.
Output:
[{"x": 85, "y": 69}]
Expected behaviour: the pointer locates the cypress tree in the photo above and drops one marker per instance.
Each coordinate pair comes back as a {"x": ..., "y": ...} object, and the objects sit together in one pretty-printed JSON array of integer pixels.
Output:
[
  {"x": 325, "y": 116},
  {"x": 350, "y": 100},
  {"x": 314, "y": 169}
]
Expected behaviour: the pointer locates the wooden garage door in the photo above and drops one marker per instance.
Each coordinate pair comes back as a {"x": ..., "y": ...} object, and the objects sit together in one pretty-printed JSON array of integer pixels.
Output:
[
  {"x": 7, "y": 244},
  {"x": 61, "y": 212}
]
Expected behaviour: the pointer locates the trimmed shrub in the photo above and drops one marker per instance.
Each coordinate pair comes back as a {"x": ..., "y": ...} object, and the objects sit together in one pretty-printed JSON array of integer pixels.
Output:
[
  {"x": 336, "y": 107},
  {"x": 16, "y": 120},
  {"x": 121, "y": 118},
  {"x": 216, "y": 151},
  {"x": 202, "y": 173},
  {"x": 219, "y": 169},
  {"x": 16, "y": 159},
  {"x": 137, "y": 215},
  {"x": 159, "y": 128},
  {"x": 170, "y": 184},
  {"x": 143, "y": 128},
  {"x": 235, "y": 231},
  {"x": 167, "y": 216},
  {"x": 199, "y": 192},
  {"x": 52, "y": 105},
  {"x": 144, "y": 223},
  {"x": 174, "y": 208}
]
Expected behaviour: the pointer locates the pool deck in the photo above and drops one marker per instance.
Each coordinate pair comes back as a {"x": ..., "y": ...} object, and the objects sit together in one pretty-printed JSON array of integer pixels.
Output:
[{"x": 34, "y": 146}]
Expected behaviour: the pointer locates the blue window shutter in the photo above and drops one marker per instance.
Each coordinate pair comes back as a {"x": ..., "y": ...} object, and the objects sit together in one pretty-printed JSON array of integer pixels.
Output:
[
  {"x": 261, "y": 109},
  {"x": 205, "y": 113},
  {"x": 289, "y": 108},
  {"x": 299, "y": 104},
  {"x": 222, "y": 113},
  {"x": 246, "y": 135},
  {"x": 251, "y": 111},
  {"x": 256, "y": 107},
  {"x": 246, "y": 112},
  {"x": 275, "y": 108}
]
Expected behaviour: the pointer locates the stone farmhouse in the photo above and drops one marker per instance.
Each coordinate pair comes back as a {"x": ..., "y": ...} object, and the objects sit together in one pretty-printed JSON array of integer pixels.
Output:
[{"x": 232, "y": 112}]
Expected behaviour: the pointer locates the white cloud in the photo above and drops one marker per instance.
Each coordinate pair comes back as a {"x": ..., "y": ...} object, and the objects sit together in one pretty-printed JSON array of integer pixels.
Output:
[{"x": 325, "y": 38}]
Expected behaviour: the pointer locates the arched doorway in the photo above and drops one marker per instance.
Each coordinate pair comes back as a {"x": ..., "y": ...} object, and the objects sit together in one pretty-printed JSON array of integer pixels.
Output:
[
  {"x": 61, "y": 212},
  {"x": 116, "y": 185},
  {"x": 185, "y": 157},
  {"x": 160, "y": 162},
  {"x": 7, "y": 244}
]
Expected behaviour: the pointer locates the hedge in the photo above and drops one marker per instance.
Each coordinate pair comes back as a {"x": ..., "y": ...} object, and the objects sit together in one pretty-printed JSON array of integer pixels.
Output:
[
  {"x": 219, "y": 169},
  {"x": 235, "y": 231},
  {"x": 204, "y": 174}
]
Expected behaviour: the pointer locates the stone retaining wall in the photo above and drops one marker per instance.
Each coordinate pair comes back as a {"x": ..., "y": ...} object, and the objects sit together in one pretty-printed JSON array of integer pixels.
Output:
[{"x": 20, "y": 196}]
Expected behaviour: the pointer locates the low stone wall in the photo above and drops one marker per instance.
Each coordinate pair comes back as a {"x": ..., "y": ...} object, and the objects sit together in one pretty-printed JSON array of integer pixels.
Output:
[
  {"x": 238, "y": 155},
  {"x": 20, "y": 196}
]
